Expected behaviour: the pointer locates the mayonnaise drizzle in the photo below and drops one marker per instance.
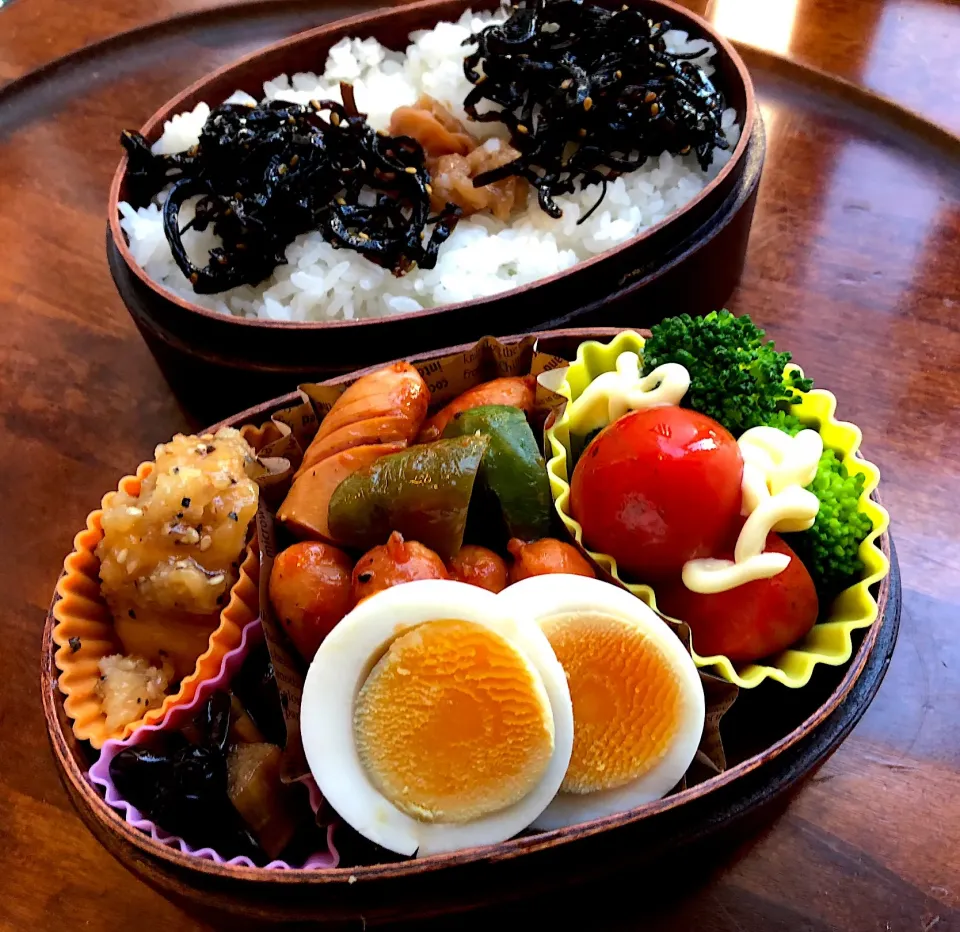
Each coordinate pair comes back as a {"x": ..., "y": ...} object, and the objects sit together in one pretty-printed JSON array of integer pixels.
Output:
[
  {"x": 611, "y": 395},
  {"x": 776, "y": 467}
]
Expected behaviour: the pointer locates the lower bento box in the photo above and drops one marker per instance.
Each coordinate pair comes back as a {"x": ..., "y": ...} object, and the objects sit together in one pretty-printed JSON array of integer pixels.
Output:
[{"x": 370, "y": 631}]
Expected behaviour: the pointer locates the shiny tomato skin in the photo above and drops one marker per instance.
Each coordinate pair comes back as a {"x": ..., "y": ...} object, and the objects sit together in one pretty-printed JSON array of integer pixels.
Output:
[
  {"x": 657, "y": 488},
  {"x": 751, "y": 621}
]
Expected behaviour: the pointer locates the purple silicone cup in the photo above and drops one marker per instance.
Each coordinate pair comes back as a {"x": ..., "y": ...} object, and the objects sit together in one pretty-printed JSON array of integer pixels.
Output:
[{"x": 99, "y": 773}]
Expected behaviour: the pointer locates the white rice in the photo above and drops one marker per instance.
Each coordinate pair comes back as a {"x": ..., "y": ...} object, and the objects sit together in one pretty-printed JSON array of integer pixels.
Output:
[{"x": 483, "y": 257}]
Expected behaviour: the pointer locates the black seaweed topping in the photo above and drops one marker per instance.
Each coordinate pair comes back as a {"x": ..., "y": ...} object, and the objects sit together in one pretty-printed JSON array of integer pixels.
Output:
[
  {"x": 588, "y": 95},
  {"x": 182, "y": 786},
  {"x": 266, "y": 174}
]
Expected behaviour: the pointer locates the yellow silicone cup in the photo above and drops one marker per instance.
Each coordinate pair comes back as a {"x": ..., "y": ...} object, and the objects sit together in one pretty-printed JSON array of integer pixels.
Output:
[
  {"x": 83, "y": 631},
  {"x": 830, "y": 640}
]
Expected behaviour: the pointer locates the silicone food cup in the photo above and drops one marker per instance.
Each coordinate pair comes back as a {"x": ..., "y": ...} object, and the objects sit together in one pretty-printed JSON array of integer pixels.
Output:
[
  {"x": 175, "y": 717},
  {"x": 829, "y": 642},
  {"x": 84, "y": 631}
]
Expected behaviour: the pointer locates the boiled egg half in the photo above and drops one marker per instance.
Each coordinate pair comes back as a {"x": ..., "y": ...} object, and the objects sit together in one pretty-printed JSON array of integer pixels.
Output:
[
  {"x": 638, "y": 705},
  {"x": 435, "y": 716}
]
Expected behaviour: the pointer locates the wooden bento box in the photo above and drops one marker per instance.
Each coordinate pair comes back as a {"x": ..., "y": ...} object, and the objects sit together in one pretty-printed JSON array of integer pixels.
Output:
[
  {"x": 689, "y": 262},
  {"x": 777, "y": 737}
]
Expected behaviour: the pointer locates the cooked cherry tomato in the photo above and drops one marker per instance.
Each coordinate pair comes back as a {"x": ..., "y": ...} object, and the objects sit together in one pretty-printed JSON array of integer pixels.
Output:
[
  {"x": 310, "y": 592},
  {"x": 546, "y": 556},
  {"x": 393, "y": 563},
  {"x": 751, "y": 621},
  {"x": 479, "y": 567},
  {"x": 657, "y": 488}
]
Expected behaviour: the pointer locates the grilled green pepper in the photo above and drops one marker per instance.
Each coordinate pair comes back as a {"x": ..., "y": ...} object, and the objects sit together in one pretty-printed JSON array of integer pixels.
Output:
[
  {"x": 422, "y": 492},
  {"x": 512, "y": 469}
]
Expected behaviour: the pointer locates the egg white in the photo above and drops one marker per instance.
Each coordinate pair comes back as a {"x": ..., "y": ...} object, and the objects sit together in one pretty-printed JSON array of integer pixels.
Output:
[
  {"x": 544, "y": 597},
  {"x": 338, "y": 671}
]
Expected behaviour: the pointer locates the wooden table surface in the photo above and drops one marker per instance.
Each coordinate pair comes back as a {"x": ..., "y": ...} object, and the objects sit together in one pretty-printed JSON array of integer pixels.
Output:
[{"x": 854, "y": 264}]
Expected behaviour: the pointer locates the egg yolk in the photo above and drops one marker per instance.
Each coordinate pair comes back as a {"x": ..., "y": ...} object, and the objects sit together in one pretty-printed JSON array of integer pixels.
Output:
[
  {"x": 453, "y": 723},
  {"x": 626, "y": 699}
]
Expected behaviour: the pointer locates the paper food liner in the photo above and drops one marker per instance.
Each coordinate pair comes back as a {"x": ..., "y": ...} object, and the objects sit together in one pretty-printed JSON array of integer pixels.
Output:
[
  {"x": 84, "y": 631},
  {"x": 830, "y": 641},
  {"x": 176, "y": 717},
  {"x": 288, "y": 434},
  {"x": 288, "y": 666},
  {"x": 289, "y": 431}
]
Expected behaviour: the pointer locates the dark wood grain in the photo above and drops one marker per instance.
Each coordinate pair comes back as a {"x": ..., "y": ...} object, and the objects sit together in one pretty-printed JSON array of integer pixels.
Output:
[{"x": 852, "y": 265}]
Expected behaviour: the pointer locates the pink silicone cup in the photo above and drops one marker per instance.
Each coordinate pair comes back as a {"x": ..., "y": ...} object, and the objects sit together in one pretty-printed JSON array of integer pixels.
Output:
[{"x": 99, "y": 773}]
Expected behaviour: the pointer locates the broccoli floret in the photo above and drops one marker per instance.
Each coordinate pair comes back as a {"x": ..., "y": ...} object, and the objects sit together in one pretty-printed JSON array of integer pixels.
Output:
[
  {"x": 829, "y": 548},
  {"x": 788, "y": 423},
  {"x": 735, "y": 377}
]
